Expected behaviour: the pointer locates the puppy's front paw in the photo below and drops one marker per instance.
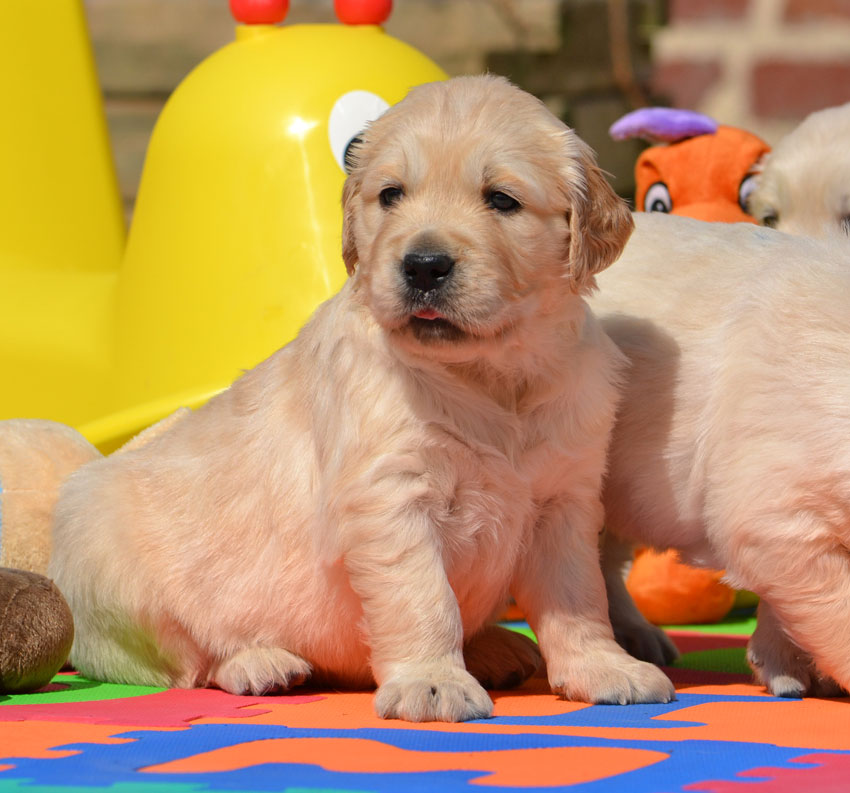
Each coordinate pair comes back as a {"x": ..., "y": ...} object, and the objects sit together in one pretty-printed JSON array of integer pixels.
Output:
[
  {"x": 611, "y": 677},
  {"x": 499, "y": 658},
  {"x": 437, "y": 691},
  {"x": 260, "y": 670}
]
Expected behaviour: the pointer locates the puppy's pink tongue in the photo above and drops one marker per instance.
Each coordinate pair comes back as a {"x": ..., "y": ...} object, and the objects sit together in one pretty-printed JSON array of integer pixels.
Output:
[{"x": 427, "y": 313}]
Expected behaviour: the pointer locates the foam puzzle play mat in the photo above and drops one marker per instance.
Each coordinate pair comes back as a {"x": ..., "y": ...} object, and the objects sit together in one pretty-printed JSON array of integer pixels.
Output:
[{"x": 723, "y": 734}]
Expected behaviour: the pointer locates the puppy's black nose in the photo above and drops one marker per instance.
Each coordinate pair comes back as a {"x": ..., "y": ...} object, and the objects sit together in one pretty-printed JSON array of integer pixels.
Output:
[{"x": 427, "y": 271}]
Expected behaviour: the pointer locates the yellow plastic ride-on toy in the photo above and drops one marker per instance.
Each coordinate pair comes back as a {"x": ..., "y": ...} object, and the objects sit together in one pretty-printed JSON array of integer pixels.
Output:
[{"x": 236, "y": 230}]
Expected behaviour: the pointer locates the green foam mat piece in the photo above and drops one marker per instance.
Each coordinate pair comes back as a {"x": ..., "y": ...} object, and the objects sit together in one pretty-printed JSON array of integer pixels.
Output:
[
  {"x": 732, "y": 660},
  {"x": 80, "y": 689}
]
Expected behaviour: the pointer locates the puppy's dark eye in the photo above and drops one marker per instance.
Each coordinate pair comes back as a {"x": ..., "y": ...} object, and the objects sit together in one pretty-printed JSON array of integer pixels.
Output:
[
  {"x": 390, "y": 196},
  {"x": 502, "y": 202},
  {"x": 770, "y": 220}
]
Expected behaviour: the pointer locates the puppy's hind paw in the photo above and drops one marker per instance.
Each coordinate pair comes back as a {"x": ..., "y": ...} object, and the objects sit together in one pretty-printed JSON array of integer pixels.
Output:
[
  {"x": 785, "y": 686},
  {"x": 608, "y": 677},
  {"x": 260, "y": 670},
  {"x": 432, "y": 692},
  {"x": 499, "y": 658},
  {"x": 795, "y": 678}
]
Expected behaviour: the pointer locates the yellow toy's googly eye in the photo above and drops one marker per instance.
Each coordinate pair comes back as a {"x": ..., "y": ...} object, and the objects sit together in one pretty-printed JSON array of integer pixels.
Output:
[{"x": 349, "y": 117}]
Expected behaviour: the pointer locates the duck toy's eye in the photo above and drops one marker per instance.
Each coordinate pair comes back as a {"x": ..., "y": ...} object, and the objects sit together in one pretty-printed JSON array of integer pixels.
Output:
[
  {"x": 658, "y": 199},
  {"x": 748, "y": 184}
]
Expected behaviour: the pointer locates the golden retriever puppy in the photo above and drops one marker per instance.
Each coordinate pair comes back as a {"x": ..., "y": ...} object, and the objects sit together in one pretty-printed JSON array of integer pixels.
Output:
[
  {"x": 731, "y": 441},
  {"x": 357, "y": 508},
  {"x": 805, "y": 185}
]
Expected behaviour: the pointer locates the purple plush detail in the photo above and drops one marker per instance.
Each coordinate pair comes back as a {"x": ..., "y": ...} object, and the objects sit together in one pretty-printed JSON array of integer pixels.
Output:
[{"x": 662, "y": 125}]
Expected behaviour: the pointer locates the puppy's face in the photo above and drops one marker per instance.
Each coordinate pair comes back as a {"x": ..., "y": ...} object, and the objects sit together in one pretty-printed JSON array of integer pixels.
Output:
[
  {"x": 470, "y": 209},
  {"x": 809, "y": 198},
  {"x": 804, "y": 187}
]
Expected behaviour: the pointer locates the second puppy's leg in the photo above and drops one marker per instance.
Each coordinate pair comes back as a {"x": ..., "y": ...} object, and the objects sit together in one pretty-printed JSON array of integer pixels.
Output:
[
  {"x": 633, "y": 631},
  {"x": 560, "y": 588},
  {"x": 785, "y": 669},
  {"x": 801, "y": 570}
]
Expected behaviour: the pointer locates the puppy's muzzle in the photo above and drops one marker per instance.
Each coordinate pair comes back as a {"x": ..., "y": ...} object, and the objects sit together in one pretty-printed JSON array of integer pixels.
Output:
[{"x": 426, "y": 271}]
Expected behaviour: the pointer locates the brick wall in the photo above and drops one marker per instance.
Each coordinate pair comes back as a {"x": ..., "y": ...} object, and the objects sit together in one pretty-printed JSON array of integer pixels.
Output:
[
  {"x": 558, "y": 49},
  {"x": 759, "y": 64}
]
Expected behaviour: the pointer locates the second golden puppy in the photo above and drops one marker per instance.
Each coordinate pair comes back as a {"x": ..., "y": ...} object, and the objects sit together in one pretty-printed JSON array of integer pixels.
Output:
[{"x": 356, "y": 508}]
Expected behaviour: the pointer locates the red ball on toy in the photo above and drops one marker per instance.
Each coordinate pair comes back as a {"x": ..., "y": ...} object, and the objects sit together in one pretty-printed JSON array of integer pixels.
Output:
[
  {"x": 259, "y": 12},
  {"x": 363, "y": 12}
]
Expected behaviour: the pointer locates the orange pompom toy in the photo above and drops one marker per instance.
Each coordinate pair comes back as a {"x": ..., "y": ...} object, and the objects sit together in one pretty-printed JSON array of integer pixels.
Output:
[{"x": 668, "y": 592}]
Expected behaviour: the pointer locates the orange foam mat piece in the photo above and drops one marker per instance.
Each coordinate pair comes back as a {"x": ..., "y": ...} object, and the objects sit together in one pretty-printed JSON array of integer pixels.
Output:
[{"x": 507, "y": 768}]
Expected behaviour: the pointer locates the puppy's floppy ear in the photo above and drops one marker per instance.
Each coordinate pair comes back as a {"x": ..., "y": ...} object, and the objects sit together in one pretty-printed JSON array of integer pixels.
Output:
[
  {"x": 350, "y": 191},
  {"x": 600, "y": 221},
  {"x": 759, "y": 165},
  {"x": 353, "y": 162}
]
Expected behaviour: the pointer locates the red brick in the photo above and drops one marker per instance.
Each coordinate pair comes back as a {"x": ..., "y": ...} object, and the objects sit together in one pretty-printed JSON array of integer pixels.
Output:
[
  {"x": 684, "y": 83},
  {"x": 783, "y": 89},
  {"x": 706, "y": 10},
  {"x": 816, "y": 10}
]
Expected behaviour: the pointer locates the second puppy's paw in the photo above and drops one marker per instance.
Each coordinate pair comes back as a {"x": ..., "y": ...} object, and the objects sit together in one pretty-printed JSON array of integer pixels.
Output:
[
  {"x": 788, "y": 672},
  {"x": 646, "y": 642},
  {"x": 611, "y": 677},
  {"x": 499, "y": 658},
  {"x": 436, "y": 691}
]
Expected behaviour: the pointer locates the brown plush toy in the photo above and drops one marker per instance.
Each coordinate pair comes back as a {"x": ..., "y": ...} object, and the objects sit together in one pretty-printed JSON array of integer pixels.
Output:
[{"x": 36, "y": 631}]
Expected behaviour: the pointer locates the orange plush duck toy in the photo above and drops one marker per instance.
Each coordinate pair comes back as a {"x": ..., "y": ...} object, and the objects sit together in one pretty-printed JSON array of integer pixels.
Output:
[
  {"x": 706, "y": 171},
  {"x": 701, "y": 169}
]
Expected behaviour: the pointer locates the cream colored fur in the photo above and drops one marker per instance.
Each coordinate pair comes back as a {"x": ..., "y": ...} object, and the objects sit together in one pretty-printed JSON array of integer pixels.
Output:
[
  {"x": 357, "y": 508},
  {"x": 731, "y": 443},
  {"x": 805, "y": 185}
]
